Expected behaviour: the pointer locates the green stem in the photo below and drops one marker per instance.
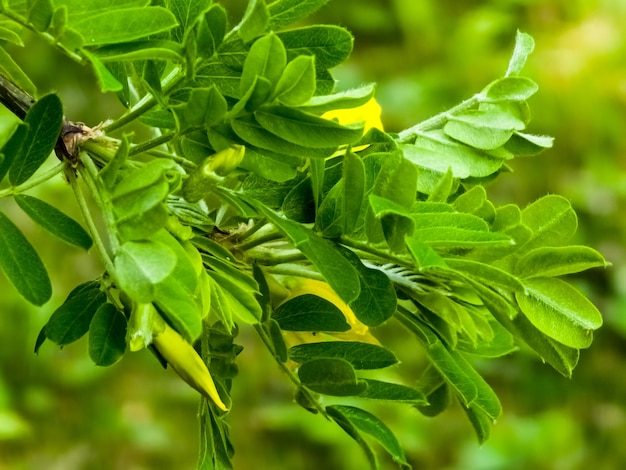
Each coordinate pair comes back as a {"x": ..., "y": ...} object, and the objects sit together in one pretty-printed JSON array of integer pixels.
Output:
[
  {"x": 296, "y": 270},
  {"x": 384, "y": 256},
  {"x": 437, "y": 121},
  {"x": 272, "y": 259},
  {"x": 150, "y": 144},
  {"x": 292, "y": 376},
  {"x": 146, "y": 103},
  {"x": 254, "y": 242},
  {"x": 31, "y": 183},
  {"x": 91, "y": 225}
]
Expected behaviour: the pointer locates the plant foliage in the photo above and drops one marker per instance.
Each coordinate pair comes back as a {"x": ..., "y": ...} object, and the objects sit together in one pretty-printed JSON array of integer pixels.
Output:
[{"x": 268, "y": 199}]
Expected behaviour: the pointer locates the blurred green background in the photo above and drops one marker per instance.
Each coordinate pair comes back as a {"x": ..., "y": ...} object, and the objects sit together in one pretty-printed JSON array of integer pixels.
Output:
[{"x": 58, "y": 411}]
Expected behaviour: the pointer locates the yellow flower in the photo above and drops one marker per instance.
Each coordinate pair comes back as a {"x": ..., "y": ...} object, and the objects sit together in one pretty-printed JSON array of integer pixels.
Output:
[{"x": 369, "y": 113}]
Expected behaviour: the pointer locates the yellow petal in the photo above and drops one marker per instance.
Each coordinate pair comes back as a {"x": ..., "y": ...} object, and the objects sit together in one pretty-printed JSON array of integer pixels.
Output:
[{"x": 369, "y": 113}]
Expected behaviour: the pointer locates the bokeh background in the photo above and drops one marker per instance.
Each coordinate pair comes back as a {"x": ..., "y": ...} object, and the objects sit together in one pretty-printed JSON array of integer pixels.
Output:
[{"x": 58, "y": 411}]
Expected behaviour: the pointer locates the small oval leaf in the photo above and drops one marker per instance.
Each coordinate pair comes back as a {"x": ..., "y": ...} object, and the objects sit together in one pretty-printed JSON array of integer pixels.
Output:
[{"x": 107, "y": 335}]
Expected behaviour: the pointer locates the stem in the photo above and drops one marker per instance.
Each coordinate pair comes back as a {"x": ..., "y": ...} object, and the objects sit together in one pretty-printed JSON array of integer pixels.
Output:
[
  {"x": 150, "y": 144},
  {"x": 268, "y": 237},
  {"x": 89, "y": 172},
  {"x": 436, "y": 121},
  {"x": 296, "y": 270},
  {"x": 292, "y": 376},
  {"x": 146, "y": 103},
  {"x": 385, "y": 256},
  {"x": 31, "y": 183},
  {"x": 84, "y": 208},
  {"x": 271, "y": 259}
]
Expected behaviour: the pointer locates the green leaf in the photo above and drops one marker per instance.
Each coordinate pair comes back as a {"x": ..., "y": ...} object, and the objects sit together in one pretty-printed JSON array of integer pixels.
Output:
[
  {"x": 306, "y": 129},
  {"x": 21, "y": 264},
  {"x": 528, "y": 145},
  {"x": 149, "y": 49},
  {"x": 343, "y": 100},
  {"x": 286, "y": 12},
  {"x": 11, "y": 36},
  {"x": 255, "y": 20},
  {"x": 360, "y": 355},
  {"x": 376, "y": 302},
  {"x": 267, "y": 58},
  {"x": 128, "y": 24},
  {"x": 40, "y": 14},
  {"x": 211, "y": 31},
  {"x": 559, "y": 311},
  {"x": 370, "y": 424},
  {"x": 435, "y": 151},
  {"x": 455, "y": 238},
  {"x": 354, "y": 433},
  {"x": 187, "y": 13},
  {"x": 297, "y": 83},
  {"x": 140, "y": 265},
  {"x": 206, "y": 107},
  {"x": 54, "y": 221},
  {"x": 524, "y": 45},
  {"x": 482, "y": 129},
  {"x": 378, "y": 390},
  {"x": 557, "y": 261},
  {"x": 251, "y": 132},
  {"x": 309, "y": 312},
  {"x": 331, "y": 376},
  {"x": 486, "y": 274},
  {"x": 44, "y": 119},
  {"x": 78, "y": 10},
  {"x": 107, "y": 335},
  {"x": 180, "y": 306},
  {"x": 10, "y": 68},
  {"x": 71, "y": 320},
  {"x": 336, "y": 269},
  {"x": 353, "y": 192},
  {"x": 425, "y": 257},
  {"x": 106, "y": 79},
  {"x": 509, "y": 89},
  {"x": 330, "y": 45},
  {"x": 12, "y": 148},
  {"x": 276, "y": 335},
  {"x": 552, "y": 221},
  {"x": 239, "y": 296}
]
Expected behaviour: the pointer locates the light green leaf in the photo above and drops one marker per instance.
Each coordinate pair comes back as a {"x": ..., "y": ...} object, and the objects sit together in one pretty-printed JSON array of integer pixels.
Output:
[
  {"x": 360, "y": 355},
  {"x": 44, "y": 119},
  {"x": 177, "y": 301},
  {"x": 149, "y": 49},
  {"x": 343, "y": 100},
  {"x": 106, "y": 80},
  {"x": 557, "y": 261},
  {"x": 522, "y": 145},
  {"x": 286, "y": 12},
  {"x": 107, "y": 335},
  {"x": 140, "y": 265},
  {"x": 40, "y": 14},
  {"x": 552, "y": 221},
  {"x": 187, "y": 13},
  {"x": 255, "y": 20},
  {"x": 486, "y": 274},
  {"x": 267, "y": 59},
  {"x": 354, "y": 433},
  {"x": 524, "y": 45},
  {"x": 297, "y": 84},
  {"x": 226, "y": 79},
  {"x": 10, "y": 68},
  {"x": 559, "y": 311},
  {"x": 309, "y": 312},
  {"x": 71, "y": 320},
  {"x": 306, "y": 129},
  {"x": 211, "y": 31},
  {"x": 331, "y": 376},
  {"x": 54, "y": 221},
  {"x": 21, "y": 264},
  {"x": 370, "y": 424},
  {"x": 240, "y": 296},
  {"x": 11, "y": 36},
  {"x": 353, "y": 192},
  {"x": 78, "y": 10},
  {"x": 115, "y": 26},
  {"x": 482, "y": 129},
  {"x": 205, "y": 107},
  {"x": 455, "y": 238},
  {"x": 509, "y": 89},
  {"x": 425, "y": 257},
  {"x": 435, "y": 151},
  {"x": 330, "y": 45}
]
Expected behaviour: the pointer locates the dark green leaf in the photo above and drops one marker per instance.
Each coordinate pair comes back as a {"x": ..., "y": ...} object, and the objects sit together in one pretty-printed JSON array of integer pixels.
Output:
[
  {"x": 360, "y": 355},
  {"x": 21, "y": 264},
  {"x": 377, "y": 390},
  {"x": 71, "y": 320},
  {"x": 128, "y": 24},
  {"x": 559, "y": 311},
  {"x": 44, "y": 120},
  {"x": 107, "y": 335},
  {"x": 9, "y": 67},
  {"x": 54, "y": 221},
  {"x": 309, "y": 312},
  {"x": 12, "y": 148},
  {"x": 373, "y": 426},
  {"x": 353, "y": 192},
  {"x": 334, "y": 377},
  {"x": 211, "y": 31},
  {"x": 239, "y": 294},
  {"x": 285, "y": 12},
  {"x": 330, "y": 45},
  {"x": 280, "y": 348},
  {"x": 205, "y": 107},
  {"x": 306, "y": 129},
  {"x": 353, "y": 432}
]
